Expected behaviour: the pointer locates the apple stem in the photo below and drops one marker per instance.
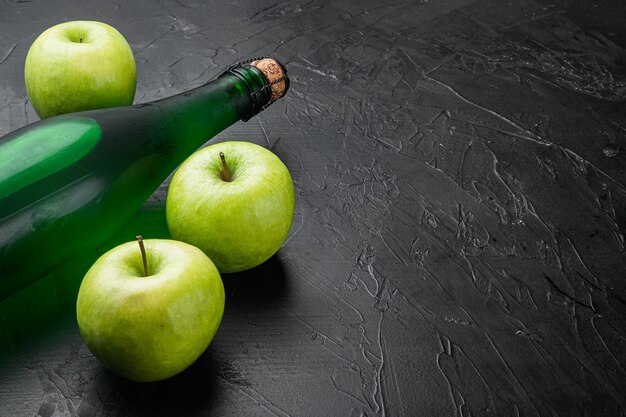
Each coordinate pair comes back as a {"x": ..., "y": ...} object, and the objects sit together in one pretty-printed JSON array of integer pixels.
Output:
[
  {"x": 143, "y": 255},
  {"x": 80, "y": 40},
  {"x": 225, "y": 171}
]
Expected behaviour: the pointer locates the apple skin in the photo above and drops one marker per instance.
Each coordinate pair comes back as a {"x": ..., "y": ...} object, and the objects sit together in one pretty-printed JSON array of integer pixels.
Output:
[
  {"x": 150, "y": 328},
  {"x": 238, "y": 224},
  {"x": 64, "y": 75}
]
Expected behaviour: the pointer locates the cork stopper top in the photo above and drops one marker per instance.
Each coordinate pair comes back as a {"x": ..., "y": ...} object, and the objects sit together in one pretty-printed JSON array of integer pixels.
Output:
[{"x": 276, "y": 75}]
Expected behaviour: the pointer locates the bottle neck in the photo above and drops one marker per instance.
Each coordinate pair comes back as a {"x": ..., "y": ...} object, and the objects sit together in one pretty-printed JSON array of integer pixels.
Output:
[
  {"x": 193, "y": 117},
  {"x": 254, "y": 84}
]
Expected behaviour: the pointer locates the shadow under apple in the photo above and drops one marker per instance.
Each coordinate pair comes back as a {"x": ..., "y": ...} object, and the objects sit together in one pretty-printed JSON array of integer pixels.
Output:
[
  {"x": 192, "y": 391},
  {"x": 262, "y": 287}
]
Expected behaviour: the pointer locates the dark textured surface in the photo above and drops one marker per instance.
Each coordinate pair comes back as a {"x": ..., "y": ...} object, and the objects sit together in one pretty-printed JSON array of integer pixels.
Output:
[{"x": 458, "y": 243}]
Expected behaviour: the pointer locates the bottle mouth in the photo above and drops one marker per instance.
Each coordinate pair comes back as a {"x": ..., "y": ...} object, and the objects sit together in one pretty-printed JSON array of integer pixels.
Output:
[
  {"x": 285, "y": 76},
  {"x": 276, "y": 75},
  {"x": 262, "y": 96}
]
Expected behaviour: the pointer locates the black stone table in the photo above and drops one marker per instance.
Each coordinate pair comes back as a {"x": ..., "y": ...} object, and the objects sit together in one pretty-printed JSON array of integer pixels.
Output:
[{"x": 458, "y": 241}]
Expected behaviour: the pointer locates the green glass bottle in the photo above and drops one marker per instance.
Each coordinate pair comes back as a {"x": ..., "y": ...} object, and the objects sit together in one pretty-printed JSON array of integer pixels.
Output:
[{"x": 69, "y": 182}]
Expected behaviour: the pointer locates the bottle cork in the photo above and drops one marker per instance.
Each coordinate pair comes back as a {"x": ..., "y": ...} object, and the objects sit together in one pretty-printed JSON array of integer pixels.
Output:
[{"x": 276, "y": 75}]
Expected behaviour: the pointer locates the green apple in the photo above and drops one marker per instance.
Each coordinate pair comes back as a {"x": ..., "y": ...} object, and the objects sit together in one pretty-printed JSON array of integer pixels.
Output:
[
  {"x": 233, "y": 200},
  {"x": 79, "y": 65},
  {"x": 149, "y": 327}
]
